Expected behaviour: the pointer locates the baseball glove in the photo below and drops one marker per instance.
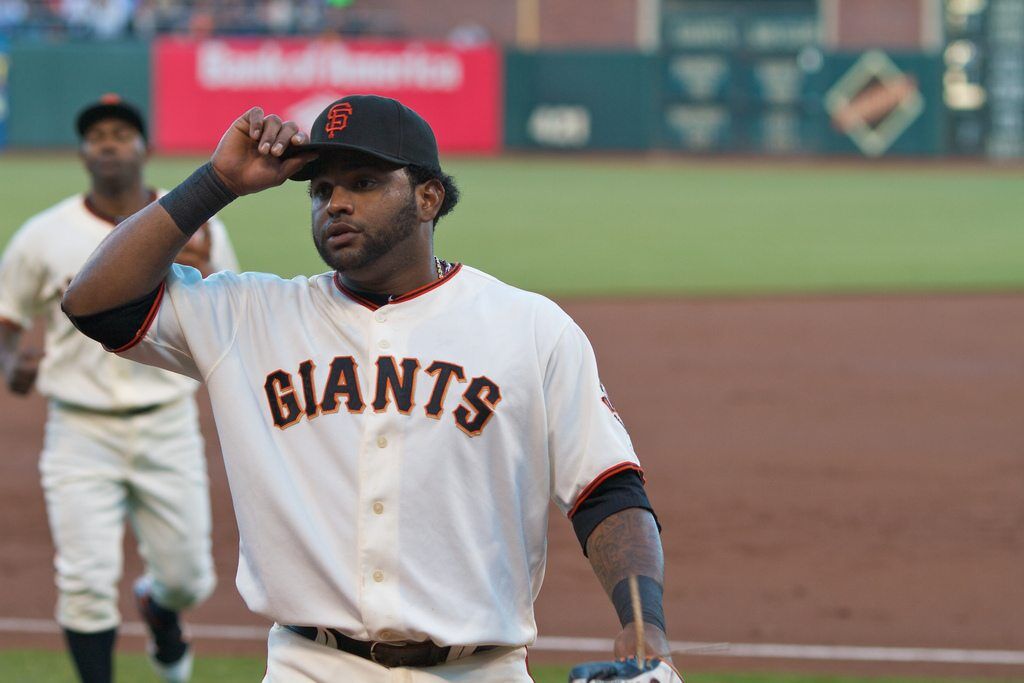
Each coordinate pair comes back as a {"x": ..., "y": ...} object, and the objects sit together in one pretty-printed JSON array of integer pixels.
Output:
[{"x": 628, "y": 671}]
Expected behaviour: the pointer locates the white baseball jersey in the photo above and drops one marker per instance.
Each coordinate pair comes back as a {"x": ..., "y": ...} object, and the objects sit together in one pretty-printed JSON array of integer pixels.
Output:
[
  {"x": 391, "y": 467},
  {"x": 42, "y": 257}
]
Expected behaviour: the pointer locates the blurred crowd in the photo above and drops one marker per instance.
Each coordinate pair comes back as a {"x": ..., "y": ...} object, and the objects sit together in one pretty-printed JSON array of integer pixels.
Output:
[{"x": 120, "y": 19}]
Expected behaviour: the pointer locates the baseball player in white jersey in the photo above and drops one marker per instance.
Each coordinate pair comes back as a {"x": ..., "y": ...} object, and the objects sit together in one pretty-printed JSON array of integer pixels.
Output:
[
  {"x": 393, "y": 429},
  {"x": 122, "y": 439}
]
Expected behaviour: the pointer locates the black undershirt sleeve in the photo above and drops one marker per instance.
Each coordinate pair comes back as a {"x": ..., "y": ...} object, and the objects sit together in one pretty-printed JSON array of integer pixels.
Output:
[
  {"x": 616, "y": 493},
  {"x": 116, "y": 327}
]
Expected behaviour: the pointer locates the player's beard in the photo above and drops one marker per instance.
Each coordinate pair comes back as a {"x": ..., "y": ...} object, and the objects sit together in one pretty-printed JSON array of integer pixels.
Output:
[{"x": 376, "y": 241}]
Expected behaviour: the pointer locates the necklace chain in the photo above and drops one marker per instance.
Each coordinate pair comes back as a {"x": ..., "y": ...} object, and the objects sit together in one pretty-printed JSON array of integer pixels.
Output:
[{"x": 441, "y": 267}]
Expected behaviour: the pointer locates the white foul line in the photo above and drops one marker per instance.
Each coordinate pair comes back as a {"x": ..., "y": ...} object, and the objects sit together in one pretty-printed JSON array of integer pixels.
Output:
[
  {"x": 823, "y": 652},
  {"x": 688, "y": 649},
  {"x": 136, "y": 628}
]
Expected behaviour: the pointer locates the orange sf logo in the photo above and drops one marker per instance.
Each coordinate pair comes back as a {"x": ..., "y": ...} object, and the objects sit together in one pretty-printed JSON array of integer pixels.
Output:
[{"x": 337, "y": 118}]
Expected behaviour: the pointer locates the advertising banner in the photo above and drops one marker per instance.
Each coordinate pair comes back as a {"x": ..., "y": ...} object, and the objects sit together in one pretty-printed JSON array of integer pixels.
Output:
[{"x": 199, "y": 87}]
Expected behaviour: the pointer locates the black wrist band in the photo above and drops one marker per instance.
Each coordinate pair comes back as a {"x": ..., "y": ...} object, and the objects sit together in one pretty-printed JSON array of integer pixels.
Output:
[
  {"x": 197, "y": 199},
  {"x": 650, "y": 601}
]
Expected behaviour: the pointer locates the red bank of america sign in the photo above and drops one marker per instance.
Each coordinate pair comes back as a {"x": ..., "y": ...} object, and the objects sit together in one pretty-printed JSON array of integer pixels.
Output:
[{"x": 200, "y": 87}]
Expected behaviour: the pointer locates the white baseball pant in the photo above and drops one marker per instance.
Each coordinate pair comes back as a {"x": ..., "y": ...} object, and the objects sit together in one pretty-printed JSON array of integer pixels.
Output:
[{"x": 99, "y": 471}]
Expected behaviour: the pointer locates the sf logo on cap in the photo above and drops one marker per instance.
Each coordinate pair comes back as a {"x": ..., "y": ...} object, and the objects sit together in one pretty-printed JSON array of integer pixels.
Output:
[{"x": 337, "y": 118}]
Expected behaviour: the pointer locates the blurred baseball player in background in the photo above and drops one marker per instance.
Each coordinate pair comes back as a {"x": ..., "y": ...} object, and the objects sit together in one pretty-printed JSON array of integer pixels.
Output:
[
  {"x": 122, "y": 440},
  {"x": 393, "y": 429}
]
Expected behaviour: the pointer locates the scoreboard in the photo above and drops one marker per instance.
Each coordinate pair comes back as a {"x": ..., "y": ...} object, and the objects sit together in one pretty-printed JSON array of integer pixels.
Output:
[
  {"x": 736, "y": 73},
  {"x": 983, "y": 83}
]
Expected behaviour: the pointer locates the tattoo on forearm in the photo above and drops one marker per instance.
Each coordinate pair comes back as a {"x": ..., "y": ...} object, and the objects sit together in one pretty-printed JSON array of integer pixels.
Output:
[{"x": 626, "y": 543}]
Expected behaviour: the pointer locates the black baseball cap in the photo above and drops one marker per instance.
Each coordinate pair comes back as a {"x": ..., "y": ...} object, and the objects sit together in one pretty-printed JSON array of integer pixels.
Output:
[
  {"x": 374, "y": 125},
  {"x": 110, "y": 106}
]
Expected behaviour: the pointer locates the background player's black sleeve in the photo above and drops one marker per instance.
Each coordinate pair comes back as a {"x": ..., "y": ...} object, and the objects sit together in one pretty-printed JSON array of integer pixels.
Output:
[
  {"x": 119, "y": 326},
  {"x": 616, "y": 493}
]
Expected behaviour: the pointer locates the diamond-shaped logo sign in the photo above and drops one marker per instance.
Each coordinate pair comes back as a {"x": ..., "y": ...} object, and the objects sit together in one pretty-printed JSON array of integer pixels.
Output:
[{"x": 874, "y": 102}]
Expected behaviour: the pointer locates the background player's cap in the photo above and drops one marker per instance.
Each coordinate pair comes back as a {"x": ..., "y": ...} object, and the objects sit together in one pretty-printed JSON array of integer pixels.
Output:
[
  {"x": 378, "y": 126},
  {"x": 110, "y": 106}
]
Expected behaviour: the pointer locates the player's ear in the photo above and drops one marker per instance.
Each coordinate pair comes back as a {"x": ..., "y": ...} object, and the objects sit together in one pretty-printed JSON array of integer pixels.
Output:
[{"x": 429, "y": 197}]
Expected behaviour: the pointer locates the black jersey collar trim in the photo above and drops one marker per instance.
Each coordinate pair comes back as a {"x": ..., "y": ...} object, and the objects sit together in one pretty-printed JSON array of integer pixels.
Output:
[{"x": 408, "y": 296}]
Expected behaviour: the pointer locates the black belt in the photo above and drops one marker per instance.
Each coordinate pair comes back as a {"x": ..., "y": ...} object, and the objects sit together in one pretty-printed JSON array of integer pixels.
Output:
[
  {"x": 110, "y": 412},
  {"x": 388, "y": 655}
]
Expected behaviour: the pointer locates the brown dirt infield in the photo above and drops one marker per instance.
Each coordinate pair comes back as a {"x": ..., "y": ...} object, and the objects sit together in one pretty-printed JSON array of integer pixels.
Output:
[{"x": 835, "y": 470}]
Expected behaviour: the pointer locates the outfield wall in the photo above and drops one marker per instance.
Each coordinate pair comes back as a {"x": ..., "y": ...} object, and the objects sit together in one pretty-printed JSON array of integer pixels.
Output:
[
  {"x": 581, "y": 100},
  {"x": 50, "y": 82},
  {"x": 4, "y": 109},
  {"x": 704, "y": 93}
]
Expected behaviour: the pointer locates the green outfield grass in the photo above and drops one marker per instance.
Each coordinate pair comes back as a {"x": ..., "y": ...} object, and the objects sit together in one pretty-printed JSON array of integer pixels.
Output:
[
  {"x": 37, "y": 666},
  {"x": 582, "y": 227}
]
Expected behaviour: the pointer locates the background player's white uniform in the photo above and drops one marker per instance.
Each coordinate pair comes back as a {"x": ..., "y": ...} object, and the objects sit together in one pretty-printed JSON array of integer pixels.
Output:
[
  {"x": 122, "y": 440},
  {"x": 391, "y": 467}
]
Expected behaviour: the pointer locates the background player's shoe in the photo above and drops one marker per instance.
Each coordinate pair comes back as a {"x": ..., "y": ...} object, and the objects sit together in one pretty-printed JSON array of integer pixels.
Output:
[
  {"x": 178, "y": 672},
  {"x": 169, "y": 654}
]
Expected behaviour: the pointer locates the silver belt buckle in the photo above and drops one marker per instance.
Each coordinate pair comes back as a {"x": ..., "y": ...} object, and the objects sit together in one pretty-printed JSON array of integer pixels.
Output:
[{"x": 373, "y": 651}]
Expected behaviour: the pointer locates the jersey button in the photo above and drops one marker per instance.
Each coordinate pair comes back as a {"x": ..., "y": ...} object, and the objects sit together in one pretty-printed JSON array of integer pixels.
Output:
[
  {"x": 382, "y": 442},
  {"x": 378, "y": 575},
  {"x": 387, "y": 635},
  {"x": 384, "y": 344},
  {"x": 380, "y": 316},
  {"x": 378, "y": 508}
]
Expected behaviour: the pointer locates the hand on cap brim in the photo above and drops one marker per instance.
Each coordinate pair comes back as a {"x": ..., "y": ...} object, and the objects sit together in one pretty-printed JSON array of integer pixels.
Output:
[{"x": 259, "y": 151}]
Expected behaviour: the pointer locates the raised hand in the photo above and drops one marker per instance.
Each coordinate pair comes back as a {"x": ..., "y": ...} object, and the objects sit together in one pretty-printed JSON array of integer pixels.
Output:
[{"x": 251, "y": 156}]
